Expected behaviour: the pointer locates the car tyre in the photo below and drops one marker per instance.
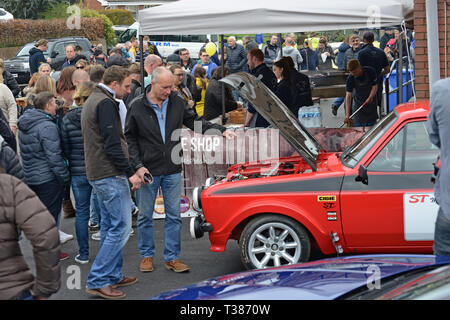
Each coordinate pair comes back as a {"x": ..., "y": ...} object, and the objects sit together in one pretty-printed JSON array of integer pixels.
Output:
[{"x": 273, "y": 240}]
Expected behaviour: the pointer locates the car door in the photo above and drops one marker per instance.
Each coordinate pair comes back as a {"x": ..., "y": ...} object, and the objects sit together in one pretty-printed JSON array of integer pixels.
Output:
[{"x": 395, "y": 208}]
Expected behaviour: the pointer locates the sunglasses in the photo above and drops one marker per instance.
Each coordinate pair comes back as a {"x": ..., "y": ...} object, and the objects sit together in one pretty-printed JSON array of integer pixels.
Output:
[{"x": 80, "y": 67}]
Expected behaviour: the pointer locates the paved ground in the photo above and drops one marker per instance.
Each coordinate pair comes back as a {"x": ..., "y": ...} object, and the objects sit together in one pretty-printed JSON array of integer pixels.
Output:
[{"x": 195, "y": 252}]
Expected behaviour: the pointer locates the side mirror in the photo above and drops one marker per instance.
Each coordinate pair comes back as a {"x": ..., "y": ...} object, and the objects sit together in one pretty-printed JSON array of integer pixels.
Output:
[
  {"x": 54, "y": 54},
  {"x": 362, "y": 175}
]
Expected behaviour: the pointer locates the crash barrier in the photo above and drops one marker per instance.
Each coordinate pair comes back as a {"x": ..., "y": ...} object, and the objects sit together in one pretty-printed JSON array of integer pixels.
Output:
[{"x": 208, "y": 156}]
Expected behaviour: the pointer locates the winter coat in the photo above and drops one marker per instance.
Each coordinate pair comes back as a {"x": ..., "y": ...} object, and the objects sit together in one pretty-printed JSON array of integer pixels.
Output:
[
  {"x": 293, "y": 53},
  {"x": 8, "y": 105},
  {"x": 213, "y": 100},
  {"x": 6, "y": 133},
  {"x": 310, "y": 59},
  {"x": 328, "y": 64},
  {"x": 236, "y": 58},
  {"x": 270, "y": 54},
  {"x": 36, "y": 59},
  {"x": 21, "y": 209},
  {"x": 9, "y": 161},
  {"x": 350, "y": 54},
  {"x": 40, "y": 147},
  {"x": 11, "y": 83},
  {"x": 72, "y": 142},
  {"x": 340, "y": 56}
]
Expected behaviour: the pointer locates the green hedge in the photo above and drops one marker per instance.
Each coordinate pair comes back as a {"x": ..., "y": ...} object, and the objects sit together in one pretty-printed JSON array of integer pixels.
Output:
[
  {"x": 119, "y": 16},
  {"x": 18, "y": 32}
]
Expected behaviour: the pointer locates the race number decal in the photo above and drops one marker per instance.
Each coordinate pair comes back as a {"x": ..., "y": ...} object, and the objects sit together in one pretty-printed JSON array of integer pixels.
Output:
[{"x": 419, "y": 214}]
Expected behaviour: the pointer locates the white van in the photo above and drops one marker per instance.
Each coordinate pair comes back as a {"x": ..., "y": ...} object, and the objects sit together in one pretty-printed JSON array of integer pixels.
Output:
[{"x": 168, "y": 44}]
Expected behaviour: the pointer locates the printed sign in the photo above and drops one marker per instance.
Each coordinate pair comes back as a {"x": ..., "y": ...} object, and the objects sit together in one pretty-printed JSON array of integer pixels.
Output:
[
  {"x": 185, "y": 208},
  {"x": 419, "y": 212}
]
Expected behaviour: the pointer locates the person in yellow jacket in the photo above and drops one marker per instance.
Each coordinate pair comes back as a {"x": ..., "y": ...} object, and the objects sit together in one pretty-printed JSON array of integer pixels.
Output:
[{"x": 201, "y": 82}]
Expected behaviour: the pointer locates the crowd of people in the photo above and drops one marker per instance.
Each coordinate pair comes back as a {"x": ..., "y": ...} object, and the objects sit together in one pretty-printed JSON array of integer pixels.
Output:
[{"x": 95, "y": 129}]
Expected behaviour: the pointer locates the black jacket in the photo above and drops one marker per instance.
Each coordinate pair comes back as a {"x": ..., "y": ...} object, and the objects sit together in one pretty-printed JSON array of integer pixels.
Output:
[
  {"x": 9, "y": 161},
  {"x": 11, "y": 82},
  {"x": 36, "y": 59},
  {"x": 72, "y": 142},
  {"x": 145, "y": 144},
  {"x": 6, "y": 133},
  {"x": 213, "y": 100},
  {"x": 135, "y": 90}
]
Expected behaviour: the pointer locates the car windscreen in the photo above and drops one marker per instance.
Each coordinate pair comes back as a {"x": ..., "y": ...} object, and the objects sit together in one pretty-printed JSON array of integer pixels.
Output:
[
  {"x": 25, "y": 51},
  {"x": 353, "y": 154}
]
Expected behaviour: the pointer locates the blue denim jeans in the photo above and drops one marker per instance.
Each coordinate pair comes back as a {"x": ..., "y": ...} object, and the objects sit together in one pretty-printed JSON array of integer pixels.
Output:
[
  {"x": 338, "y": 102},
  {"x": 145, "y": 197},
  {"x": 441, "y": 245},
  {"x": 82, "y": 193},
  {"x": 94, "y": 211},
  {"x": 94, "y": 215},
  {"x": 115, "y": 211}
]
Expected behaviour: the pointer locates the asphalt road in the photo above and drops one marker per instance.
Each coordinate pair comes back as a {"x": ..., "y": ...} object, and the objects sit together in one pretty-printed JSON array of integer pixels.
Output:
[{"x": 204, "y": 264}]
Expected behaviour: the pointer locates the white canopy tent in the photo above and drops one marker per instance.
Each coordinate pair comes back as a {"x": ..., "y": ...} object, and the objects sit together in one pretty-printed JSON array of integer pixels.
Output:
[{"x": 268, "y": 16}]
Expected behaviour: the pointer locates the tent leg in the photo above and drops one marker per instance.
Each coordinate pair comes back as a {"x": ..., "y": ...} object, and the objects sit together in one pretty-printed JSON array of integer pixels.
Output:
[
  {"x": 224, "y": 119},
  {"x": 141, "y": 59}
]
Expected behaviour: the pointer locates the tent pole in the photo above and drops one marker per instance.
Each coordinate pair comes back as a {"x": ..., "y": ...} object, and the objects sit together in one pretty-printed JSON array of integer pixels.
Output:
[
  {"x": 141, "y": 59},
  {"x": 224, "y": 120}
]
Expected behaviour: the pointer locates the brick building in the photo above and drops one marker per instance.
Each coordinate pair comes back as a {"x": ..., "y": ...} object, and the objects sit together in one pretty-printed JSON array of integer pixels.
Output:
[{"x": 421, "y": 59}]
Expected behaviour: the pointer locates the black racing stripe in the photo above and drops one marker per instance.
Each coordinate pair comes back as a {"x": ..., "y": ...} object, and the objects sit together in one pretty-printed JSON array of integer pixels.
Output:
[
  {"x": 376, "y": 182},
  {"x": 325, "y": 184},
  {"x": 389, "y": 182}
]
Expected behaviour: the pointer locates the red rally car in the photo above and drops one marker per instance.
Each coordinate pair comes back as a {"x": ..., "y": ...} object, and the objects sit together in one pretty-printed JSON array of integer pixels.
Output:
[{"x": 375, "y": 197}]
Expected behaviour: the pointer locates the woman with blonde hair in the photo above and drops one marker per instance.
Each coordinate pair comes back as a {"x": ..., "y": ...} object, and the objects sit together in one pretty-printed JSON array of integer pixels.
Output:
[
  {"x": 72, "y": 142},
  {"x": 81, "y": 64},
  {"x": 309, "y": 55}
]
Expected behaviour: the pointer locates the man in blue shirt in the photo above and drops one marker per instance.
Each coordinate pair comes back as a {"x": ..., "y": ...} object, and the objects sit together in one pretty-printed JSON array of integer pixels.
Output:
[
  {"x": 208, "y": 65},
  {"x": 369, "y": 56},
  {"x": 153, "y": 129}
]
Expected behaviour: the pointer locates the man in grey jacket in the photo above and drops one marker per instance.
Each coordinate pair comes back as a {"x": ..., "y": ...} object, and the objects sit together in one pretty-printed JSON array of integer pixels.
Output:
[
  {"x": 290, "y": 51},
  {"x": 438, "y": 127},
  {"x": 21, "y": 209},
  {"x": 271, "y": 51},
  {"x": 236, "y": 56}
]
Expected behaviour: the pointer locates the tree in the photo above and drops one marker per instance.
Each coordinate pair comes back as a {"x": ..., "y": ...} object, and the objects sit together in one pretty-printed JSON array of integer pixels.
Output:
[{"x": 28, "y": 9}]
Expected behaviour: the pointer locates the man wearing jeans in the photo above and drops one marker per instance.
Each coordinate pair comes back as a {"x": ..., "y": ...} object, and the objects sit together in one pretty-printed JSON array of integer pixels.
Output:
[
  {"x": 153, "y": 129},
  {"x": 438, "y": 127},
  {"x": 108, "y": 171}
]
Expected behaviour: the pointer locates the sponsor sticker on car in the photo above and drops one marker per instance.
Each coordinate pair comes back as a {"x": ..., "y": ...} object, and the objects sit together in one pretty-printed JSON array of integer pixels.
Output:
[
  {"x": 326, "y": 198},
  {"x": 419, "y": 212}
]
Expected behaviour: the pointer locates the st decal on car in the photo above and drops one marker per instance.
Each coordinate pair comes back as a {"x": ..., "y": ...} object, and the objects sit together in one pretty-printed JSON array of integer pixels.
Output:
[{"x": 419, "y": 211}]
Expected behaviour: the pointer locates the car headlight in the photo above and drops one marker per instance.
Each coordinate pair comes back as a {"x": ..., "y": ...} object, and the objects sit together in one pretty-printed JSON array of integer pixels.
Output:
[
  {"x": 26, "y": 65},
  {"x": 197, "y": 198}
]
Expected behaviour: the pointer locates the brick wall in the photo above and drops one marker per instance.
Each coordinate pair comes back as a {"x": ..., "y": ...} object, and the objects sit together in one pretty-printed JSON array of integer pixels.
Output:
[
  {"x": 93, "y": 4},
  {"x": 420, "y": 28}
]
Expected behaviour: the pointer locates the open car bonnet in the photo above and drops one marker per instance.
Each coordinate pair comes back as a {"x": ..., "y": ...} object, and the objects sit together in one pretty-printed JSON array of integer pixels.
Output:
[{"x": 277, "y": 114}]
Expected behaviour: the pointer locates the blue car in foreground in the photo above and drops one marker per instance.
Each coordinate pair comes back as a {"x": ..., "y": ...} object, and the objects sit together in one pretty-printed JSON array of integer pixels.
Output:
[{"x": 354, "y": 277}]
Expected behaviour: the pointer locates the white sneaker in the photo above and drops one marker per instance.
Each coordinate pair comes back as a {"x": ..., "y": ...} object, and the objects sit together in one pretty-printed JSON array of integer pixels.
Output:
[
  {"x": 96, "y": 236},
  {"x": 64, "y": 237}
]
